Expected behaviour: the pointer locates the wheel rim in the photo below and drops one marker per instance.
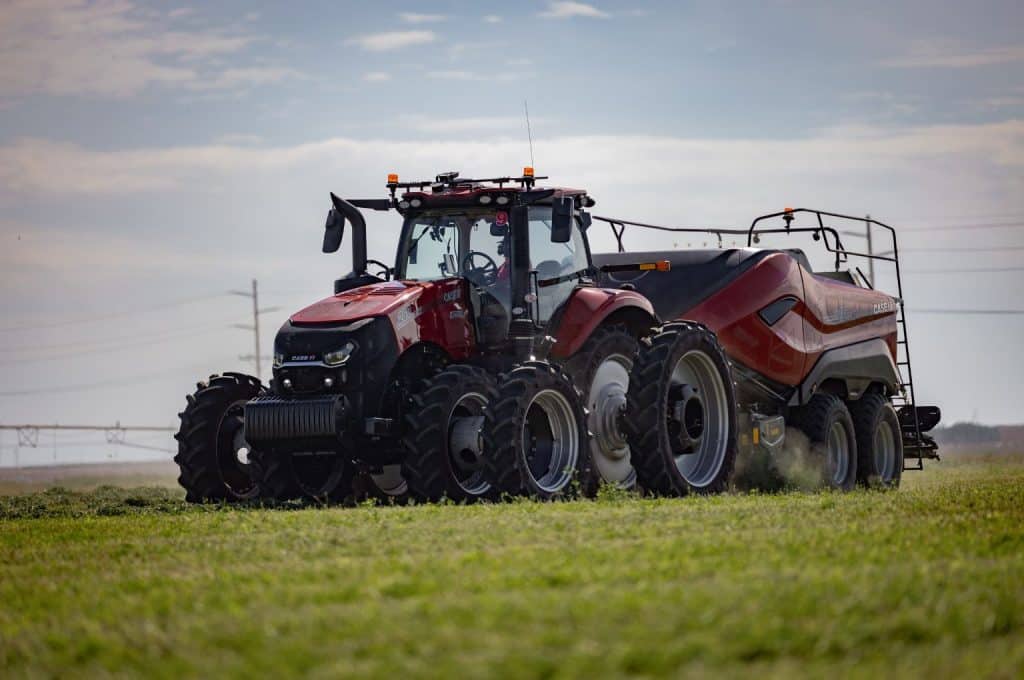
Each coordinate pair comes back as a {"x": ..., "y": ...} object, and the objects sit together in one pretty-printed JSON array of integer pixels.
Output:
[
  {"x": 551, "y": 441},
  {"x": 465, "y": 450},
  {"x": 233, "y": 452},
  {"x": 318, "y": 473},
  {"x": 838, "y": 453},
  {"x": 605, "y": 402},
  {"x": 885, "y": 452},
  {"x": 698, "y": 418},
  {"x": 389, "y": 481}
]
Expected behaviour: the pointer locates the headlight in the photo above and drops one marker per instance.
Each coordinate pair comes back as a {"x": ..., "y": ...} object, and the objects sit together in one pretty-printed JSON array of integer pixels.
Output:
[
  {"x": 341, "y": 355},
  {"x": 278, "y": 359}
]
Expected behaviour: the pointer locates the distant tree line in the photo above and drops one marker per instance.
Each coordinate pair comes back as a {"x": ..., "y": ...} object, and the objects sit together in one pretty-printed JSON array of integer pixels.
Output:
[{"x": 967, "y": 433}]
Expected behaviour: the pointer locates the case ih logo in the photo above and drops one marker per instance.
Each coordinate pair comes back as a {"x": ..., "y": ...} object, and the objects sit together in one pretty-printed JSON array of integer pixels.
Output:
[
  {"x": 884, "y": 307},
  {"x": 303, "y": 357}
]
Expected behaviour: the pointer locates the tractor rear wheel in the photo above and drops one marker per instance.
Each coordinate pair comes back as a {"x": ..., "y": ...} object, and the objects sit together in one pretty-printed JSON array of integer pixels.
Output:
[
  {"x": 444, "y": 442},
  {"x": 827, "y": 423},
  {"x": 681, "y": 421},
  {"x": 535, "y": 434},
  {"x": 213, "y": 456},
  {"x": 600, "y": 370},
  {"x": 879, "y": 441}
]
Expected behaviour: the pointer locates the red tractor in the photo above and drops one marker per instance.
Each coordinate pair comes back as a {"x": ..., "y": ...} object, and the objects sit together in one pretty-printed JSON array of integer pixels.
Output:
[{"x": 500, "y": 357}]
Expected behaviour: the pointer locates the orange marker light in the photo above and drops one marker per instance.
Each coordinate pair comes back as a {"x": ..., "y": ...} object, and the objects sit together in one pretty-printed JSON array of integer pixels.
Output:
[
  {"x": 527, "y": 171},
  {"x": 393, "y": 178},
  {"x": 787, "y": 209},
  {"x": 664, "y": 266}
]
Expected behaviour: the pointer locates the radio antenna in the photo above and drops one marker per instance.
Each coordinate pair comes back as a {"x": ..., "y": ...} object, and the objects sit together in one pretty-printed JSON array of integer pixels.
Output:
[{"x": 529, "y": 132}]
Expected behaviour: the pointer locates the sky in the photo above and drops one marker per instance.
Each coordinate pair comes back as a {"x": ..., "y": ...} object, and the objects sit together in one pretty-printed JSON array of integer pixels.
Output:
[{"x": 155, "y": 156}]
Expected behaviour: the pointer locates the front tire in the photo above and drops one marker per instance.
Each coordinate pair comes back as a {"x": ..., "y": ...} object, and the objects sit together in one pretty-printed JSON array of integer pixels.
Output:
[
  {"x": 443, "y": 444},
  {"x": 681, "y": 421},
  {"x": 213, "y": 457},
  {"x": 879, "y": 441},
  {"x": 535, "y": 434},
  {"x": 827, "y": 423},
  {"x": 600, "y": 370}
]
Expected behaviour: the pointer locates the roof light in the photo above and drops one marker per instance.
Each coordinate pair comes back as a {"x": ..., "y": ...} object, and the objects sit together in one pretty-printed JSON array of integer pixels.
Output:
[
  {"x": 485, "y": 199},
  {"x": 501, "y": 200},
  {"x": 415, "y": 202},
  {"x": 527, "y": 171},
  {"x": 393, "y": 178}
]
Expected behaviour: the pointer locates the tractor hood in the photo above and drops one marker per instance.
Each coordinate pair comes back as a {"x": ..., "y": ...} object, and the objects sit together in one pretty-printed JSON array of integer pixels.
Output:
[{"x": 375, "y": 299}]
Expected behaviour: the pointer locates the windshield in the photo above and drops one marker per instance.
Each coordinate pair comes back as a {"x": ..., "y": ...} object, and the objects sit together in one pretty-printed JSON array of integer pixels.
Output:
[{"x": 473, "y": 244}]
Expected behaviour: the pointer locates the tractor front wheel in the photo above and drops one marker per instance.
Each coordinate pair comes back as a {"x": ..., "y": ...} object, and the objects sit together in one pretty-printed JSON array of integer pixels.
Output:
[
  {"x": 321, "y": 476},
  {"x": 535, "y": 434},
  {"x": 444, "y": 441},
  {"x": 213, "y": 456},
  {"x": 681, "y": 420}
]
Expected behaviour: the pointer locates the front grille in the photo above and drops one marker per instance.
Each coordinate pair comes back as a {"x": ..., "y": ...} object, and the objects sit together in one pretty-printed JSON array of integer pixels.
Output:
[{"x": 269, "y": 419}]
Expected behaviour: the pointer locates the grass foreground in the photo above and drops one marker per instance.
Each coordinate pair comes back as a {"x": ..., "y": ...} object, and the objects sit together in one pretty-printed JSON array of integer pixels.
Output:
[{"x": 924, "y": 581}]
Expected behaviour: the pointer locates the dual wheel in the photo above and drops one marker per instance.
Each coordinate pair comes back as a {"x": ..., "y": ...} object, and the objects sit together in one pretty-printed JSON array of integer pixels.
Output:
[{"x": 856, "y": 442}]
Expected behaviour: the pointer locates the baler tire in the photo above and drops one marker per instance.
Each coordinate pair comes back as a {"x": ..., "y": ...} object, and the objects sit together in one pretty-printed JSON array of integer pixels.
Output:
[
  {"x": 871, "y": 412},
  {"x": 205, "y": 472},
  {"x": 817, "y": 419},
  {"x": 603, "y": 344},
  {"x": 647, "y": 423},
  {"x": 428, "y": 465},
  {"x": 507, "y": 460}
]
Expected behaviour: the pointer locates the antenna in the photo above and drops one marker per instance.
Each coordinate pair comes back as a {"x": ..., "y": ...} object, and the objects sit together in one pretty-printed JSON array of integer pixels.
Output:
[{"x": 529, "y": 132}]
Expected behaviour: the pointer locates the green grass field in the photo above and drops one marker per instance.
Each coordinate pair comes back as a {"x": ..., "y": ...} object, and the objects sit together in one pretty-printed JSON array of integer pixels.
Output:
[{"x": 925, "y": 581}]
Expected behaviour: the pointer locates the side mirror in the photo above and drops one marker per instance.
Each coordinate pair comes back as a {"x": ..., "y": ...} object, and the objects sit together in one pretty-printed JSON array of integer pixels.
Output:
[
  {"x": 333, "y": 231},
  {"x": 561, "y": 219}
]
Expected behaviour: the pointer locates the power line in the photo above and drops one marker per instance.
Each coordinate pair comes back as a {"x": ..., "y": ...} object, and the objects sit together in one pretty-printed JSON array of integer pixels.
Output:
[
  {"x": 968, "y": 311},
  {"x": 113, "y": 344},
  {"x": 979, "y": 270},
  {"x": 118, "y": 315},
  {"x": 966, "y": 226},
  {"x": 990, "y": 249}
]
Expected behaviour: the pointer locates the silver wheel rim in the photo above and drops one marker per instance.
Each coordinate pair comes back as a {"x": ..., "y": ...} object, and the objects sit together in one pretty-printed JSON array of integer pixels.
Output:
[
  {"x": 550, "y": 440},
  {"x": 605, "y": 402},
  {"x": 885, "y": 452},
  {"x": 465, "y": 449},
  {"x": 390, "y": 481},
  {"x": 838, "y": 453},
  {"x": 703, "y": 423}
]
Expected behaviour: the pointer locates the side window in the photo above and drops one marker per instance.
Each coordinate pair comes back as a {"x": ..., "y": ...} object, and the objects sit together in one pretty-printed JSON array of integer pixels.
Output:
[
  {"x": 552, "y": 260},
  {"x": 433, "y": 250}
]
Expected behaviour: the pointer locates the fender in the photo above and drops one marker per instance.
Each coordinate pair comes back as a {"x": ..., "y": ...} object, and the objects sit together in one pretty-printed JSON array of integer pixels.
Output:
[
  {"x": 587, "y": 308},
  {"x": 857, "y": 366}
]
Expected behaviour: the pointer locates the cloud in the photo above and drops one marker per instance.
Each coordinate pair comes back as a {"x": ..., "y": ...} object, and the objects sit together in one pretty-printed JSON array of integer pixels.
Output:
[
  {"x": 568, "y": 10},
  {"x": 474, "y": 76},
  {"x": 38, "y": 167},
  {"x": 928, "y": 54},
  {"x": 109, "y": 48},
  {"x": 492, "y": 19},
  {"x": 466, "y": 125},
  {"x": 376, "y": 76},
  {"x": 234, "y": 78},
  {"x": 393, "y": 40},
  {"x": 414, "y": 18}
]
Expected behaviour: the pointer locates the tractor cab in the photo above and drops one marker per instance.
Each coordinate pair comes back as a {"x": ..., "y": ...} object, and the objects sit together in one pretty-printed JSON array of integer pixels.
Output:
[{"x": 520, "y": 250}]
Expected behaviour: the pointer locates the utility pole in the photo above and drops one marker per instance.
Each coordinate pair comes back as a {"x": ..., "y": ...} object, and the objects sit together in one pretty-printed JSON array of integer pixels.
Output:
[
  {"x": 871, "y": 251},
  {"x": 257, "y": 358}
]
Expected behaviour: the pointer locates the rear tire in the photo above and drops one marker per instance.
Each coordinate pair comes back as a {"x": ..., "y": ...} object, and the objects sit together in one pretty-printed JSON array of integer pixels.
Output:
[
  {"x": 213, "y": 457},
  {"x": 879, "y": 441},
  {"x": 600, "y": 370},
  {"x": 827, "y": 423},
  {"x": 681, "y": 421},
  {"x": 448, "y": 415},
  {"x": 535, "y": 434}
]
